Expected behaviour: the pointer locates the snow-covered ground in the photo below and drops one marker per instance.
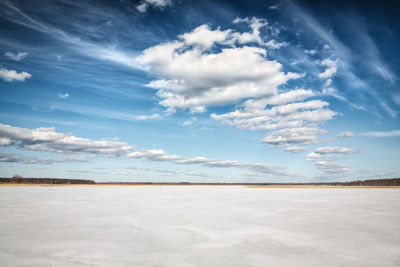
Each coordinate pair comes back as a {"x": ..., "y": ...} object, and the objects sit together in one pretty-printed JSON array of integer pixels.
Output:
[{"x": 198, "y": 226}]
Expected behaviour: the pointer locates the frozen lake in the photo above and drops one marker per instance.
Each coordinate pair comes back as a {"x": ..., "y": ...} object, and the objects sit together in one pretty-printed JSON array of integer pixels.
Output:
[{"x": 198, "y": 226}]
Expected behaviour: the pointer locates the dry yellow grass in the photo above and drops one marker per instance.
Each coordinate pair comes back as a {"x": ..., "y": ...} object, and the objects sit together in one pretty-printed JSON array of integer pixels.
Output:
[
  {"x": 248, "y": 186},
  {"x": 319, "y": 186}
]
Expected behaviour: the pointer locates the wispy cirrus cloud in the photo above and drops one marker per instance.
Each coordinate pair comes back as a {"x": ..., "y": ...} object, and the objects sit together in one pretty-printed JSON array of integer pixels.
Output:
[
  {"x": 349, "y": 58},
  {"x": 98, "y": 50},
  {"x": 148, "y": 117}
]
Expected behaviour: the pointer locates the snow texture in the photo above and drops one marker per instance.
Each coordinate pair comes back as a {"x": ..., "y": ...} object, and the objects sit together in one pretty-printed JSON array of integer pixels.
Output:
[{"x": 198, "y": 226}]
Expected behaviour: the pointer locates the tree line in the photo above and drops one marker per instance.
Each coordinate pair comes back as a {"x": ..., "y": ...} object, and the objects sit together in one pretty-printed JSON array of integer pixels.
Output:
[{"x": 17, "y": 179}]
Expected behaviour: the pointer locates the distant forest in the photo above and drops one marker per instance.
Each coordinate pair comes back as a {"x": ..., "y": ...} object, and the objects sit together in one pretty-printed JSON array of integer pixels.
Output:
[{"x": 16, "y": 179}]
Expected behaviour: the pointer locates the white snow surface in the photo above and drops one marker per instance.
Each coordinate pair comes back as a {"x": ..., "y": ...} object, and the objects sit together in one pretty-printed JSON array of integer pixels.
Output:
[{"x": 198, "y": 226}]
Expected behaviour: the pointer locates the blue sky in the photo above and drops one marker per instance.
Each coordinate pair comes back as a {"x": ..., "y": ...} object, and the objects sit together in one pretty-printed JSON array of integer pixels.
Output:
[{"x": 200, "y": 91}]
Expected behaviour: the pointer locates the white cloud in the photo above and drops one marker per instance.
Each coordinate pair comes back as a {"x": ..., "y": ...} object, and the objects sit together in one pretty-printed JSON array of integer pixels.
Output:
[
  {"x": 332, "y": 167},
  {"x": 295, "y": 149},
  {"x": 63, "y": 96},
  {"x": 161, "y": 155},
  {"x": 310, "y": 52},
  {"x": 345, "y": 134},
  {"x": 250, "y": 37},
  {"x": 5, "y": 141},
  {"x": 279, "y": 99},
  {"x": 189, "y": 122},
  {"x": 300, "y": 135},
  {"x": 326, "y": 161},
  {"x": 316, "y": 156},
  {"x": 17, "y": 158},
  {"x": 194, "y": 77},
  {"x": 12, "y": 75},
  {"x": 296, "y": 120},
  {"x": 148, "y": 117},
  {"x": 393, "y": 133},
  {"x": 47, "y": 139},
  {"x": 255, "y": 167},
  {"x": 154, "y": 154},
  {"x": 273, "y": 44},
  {"x": 330, "y": 68},
  {"x": 335, "y": 150},
  {"x": 146, "y": 4},
  {"x": 254, "y": 36},
  {"x": 205, "y": 37},
  {"x": 16, "y": 57},
  {"x": 273, "y": 7}
]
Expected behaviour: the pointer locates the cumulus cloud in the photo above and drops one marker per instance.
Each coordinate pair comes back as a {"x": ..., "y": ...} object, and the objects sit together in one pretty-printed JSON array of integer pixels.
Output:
[
  {"x": 330, "y": 68},
  {"x": 250, "y": 37},
  {"x": 47, "y": 139},
  {"x": 291, "y": 117},
  {"x": 12, "y": 75},
  {"x": 327, "y": 151},
  {"x": 345, "y": 134},
  {"x": 205, "y": 37},
  {"x": 273, "y": 44},
  {"x": 326, "y": 161},
  {"x": 146, "y": 4},
  {"x": 280, "y": 99},
  {"x": 254, "y": 115},
  {"x": 392, "y": 133},
  {"x": 300, "y": 135},
  {"x": 195, "y": 76},
  {"x": 16, "y": 57}
]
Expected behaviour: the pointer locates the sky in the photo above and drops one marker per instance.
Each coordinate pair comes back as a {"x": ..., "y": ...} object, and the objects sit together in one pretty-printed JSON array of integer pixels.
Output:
[{"x": 200, "y": 91}]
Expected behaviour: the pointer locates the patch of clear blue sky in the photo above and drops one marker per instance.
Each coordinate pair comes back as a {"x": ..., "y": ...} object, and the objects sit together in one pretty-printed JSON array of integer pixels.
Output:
[{"x": 65, "y": 56}]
